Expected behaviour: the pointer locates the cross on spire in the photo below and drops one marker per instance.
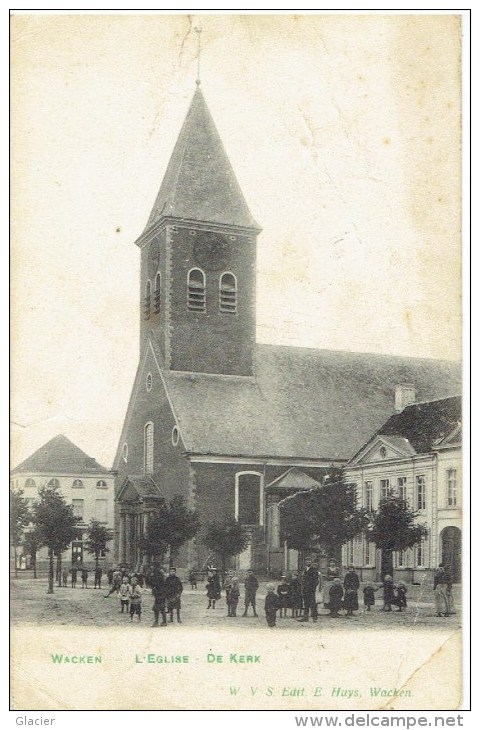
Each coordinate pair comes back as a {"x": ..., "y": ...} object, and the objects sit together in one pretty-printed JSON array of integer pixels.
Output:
[{"x": 198, "y": 31}]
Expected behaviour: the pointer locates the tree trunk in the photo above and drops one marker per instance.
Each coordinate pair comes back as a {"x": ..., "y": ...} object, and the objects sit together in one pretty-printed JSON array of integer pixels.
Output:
[
  {"x": 34, "y": 562},
  {"x": 224, "y": 566},
  {"x": 97, "y": 555},
  {"x": 15, "y": 569},
  {"x": 387, "y": 563},
  {"x": 50, "y": 570},
  {"x": 59, "y": 569}
]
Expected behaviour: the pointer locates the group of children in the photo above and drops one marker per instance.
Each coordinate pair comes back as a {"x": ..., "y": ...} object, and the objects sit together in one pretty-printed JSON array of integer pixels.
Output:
[{"x": 289, "y": 595}]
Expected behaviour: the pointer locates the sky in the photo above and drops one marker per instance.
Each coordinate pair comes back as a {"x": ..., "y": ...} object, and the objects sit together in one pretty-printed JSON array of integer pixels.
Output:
[{"x": 344, "y": 134}]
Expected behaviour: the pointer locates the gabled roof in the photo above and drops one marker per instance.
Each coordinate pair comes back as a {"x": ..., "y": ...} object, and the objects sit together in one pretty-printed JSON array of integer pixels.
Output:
[
  {"x": 141, "y": 485},
  {"x": 60, "y": 456},
  {"x": 424, "y": 425},
  {"x": 293, "y": 479},
  {"x": 315, "y": 404},
  {"x": 200, "y": 183}
]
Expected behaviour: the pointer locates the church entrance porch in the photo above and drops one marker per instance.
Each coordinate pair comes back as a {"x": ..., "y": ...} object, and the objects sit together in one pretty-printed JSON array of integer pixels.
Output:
[{"x": 138, "y": 500}]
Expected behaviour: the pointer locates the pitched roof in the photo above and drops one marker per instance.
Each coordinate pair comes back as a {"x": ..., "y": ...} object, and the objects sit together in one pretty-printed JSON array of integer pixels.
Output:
[
  {"x": 60, "y": 456},
  {"x": 309, "y": 403},
  {"x": 199, "y": 183},
  {"x": 293, "y": 479},
  {"x": 425, "y": 425},
  {"x": 143, "y": 486}
]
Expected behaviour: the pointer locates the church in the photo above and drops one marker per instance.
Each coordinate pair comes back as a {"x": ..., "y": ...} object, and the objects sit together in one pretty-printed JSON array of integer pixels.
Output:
[{"x": 233, "y": 425}]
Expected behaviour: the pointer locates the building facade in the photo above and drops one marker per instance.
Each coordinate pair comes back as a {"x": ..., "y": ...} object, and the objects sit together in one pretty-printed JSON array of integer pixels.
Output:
[
  {"x": 81, "y": 480},
  {"x": 215, "y": 416},
  {"x": 417, "y": 454}
]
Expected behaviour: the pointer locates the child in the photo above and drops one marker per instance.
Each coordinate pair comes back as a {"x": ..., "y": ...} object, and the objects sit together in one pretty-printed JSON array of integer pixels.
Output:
[
  {"x": 369, "y": 595},
  {"x": 233, "y": 597},
  {"x": 124, "y": 593},
  {"x": 400, "y": 597},
  {"x": 213, "y": 588},
  {"x": 272, "y": 603},
  {"x": 388, "y": 593},
  {"x": 98, "y": 577},
  {"x": 193, "y": 580},
  {"x": 296, "y": 596},
  {"x": 335, "y": 597},
  {"x": 283, "y": 593},
  {"x": 136, "y": 602},
  {"x": 84, "y": 577}
]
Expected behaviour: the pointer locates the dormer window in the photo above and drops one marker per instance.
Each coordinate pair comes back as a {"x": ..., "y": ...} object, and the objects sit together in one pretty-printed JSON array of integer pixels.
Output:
[
  {"x": 147, "y": 305},
  {"x": 228, "y": 293},
  {"x": 157, "y": 294},
  {"x": 196, "y": 300}
]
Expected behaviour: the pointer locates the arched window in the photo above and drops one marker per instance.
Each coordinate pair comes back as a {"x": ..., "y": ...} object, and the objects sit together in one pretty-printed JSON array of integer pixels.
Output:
[
  {"x": 249, "y": 498},
  {"x": 148, "y": 448},
  {"x": 228, "y": 293},
  {"x": 157, "y": 293},
  {"x": 77, "y": 483},
  {"x": 102, "y": 484},
  {"x": 53, "y": 483},
  {"x": 196, "y": 290},
  {"x": 147, "y": 305},
  {"x": 30, "y": 483}
]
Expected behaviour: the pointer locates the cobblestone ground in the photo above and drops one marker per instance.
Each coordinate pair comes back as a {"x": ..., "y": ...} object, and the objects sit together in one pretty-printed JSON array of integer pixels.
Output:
[{"x": 30, "y": 605}]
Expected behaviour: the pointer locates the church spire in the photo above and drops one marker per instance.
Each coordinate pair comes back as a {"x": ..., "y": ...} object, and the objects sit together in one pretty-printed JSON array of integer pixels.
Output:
[{"x": 199, "y": 183}]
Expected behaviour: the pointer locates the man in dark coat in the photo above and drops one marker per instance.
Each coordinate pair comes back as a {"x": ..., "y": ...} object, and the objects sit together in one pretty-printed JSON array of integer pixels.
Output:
[
  {"x": 251, "y": 588},
  {"x": 311, "y": 579},
  {"x": 351, "y": 584},
  {"x": 98, "y": 577},
  {"x": 173, "y": 590}
]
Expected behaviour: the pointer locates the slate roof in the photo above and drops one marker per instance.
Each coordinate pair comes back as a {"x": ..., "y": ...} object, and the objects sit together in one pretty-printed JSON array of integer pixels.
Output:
[
  {"x": 293, "y": 479},
  {"x": 425, "y": 425},
  {"x": 143, "y": 485},
  {"x": 60, "y": 456},
  {"x": 316, "y": 404},
  {"x": 200, "y": 183}
]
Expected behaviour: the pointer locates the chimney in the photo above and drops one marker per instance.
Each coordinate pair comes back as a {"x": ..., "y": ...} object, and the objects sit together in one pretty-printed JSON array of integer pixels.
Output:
[{"x": 404, "y": 396}]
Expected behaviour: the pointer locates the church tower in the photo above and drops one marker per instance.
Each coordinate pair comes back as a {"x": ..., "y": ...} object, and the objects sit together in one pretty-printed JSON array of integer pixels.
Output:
[{"x": 198, "y": 254}]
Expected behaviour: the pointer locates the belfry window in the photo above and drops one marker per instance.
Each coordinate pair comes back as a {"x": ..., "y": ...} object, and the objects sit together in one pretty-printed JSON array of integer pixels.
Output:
[
  {"x": 196, "y": 300},
  {"x": 157, "y": 293},
  {"x": 147, "y": 304},
  {"x": 228, "y": 293},
  {"x": 148, "y": 448}
]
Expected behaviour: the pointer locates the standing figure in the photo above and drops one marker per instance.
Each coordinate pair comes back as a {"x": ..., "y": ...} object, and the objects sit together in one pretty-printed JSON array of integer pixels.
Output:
[
  {"x": 160, "y": 598},
  {"x": 193, "y": 580},
  {"x": 84, "y": 577},
  {"x": 214, "y": 590},
  {"x": 284, "y": 595},
  {"x": 351, "y": 584},
  {"x": 65, "y": 577},
  {"x": 73, "y": 571},
  {"x": 135, "y": 601},
  {"x": 233, "y": 597},
  {"x": 117, "y": 581},
  {"x": 251, "y": 588},
  {"x": 369, "y": 596},
  {"x": 400, "y": 595},
  {"x": 124, "y": 592},
  {"x": 335, "y": 597},
  {"x": 296, "y": 595},
  {"x": 333, "y": 571},
  {"x": 272, "y": 603},
  {"x": 388, "y": 593},
  {"x": 442, "y": 585},
  {"x": 311, "y": 579},
  {"x": 173, "y": 591},
  {"x": 97, "y": 577},
  {"x": 110, "y": 576}
]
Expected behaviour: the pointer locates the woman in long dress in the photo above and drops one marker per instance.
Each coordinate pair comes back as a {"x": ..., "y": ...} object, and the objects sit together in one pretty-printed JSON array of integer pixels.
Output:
[{"x": 351, "y": 584}]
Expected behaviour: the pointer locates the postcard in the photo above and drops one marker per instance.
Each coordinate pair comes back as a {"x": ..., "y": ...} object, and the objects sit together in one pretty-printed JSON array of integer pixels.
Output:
[{"x": 236, "y": 376}]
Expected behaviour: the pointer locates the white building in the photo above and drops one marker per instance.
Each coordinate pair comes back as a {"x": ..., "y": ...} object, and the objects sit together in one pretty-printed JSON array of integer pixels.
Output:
[
  {"x": 84, "y": 483},
  {"x": 417, "y": 454}
]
